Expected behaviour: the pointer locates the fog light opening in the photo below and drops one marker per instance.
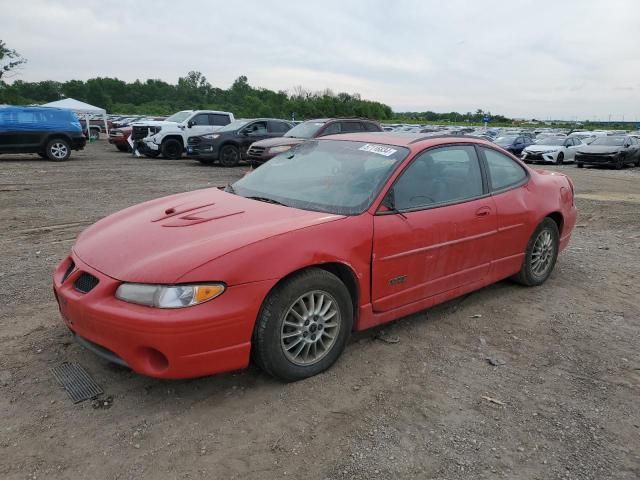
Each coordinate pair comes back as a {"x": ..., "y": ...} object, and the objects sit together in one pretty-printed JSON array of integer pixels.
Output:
[{"x": 155, "y": 359}]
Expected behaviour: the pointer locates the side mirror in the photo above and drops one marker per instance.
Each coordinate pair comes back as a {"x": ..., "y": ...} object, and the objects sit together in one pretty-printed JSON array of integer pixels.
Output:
[{"x": 191, "y": 123}]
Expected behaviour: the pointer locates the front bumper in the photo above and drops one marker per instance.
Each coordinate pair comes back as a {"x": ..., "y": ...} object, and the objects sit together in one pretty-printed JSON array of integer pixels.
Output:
[
  {"x": 205, "y": 339},
  {"x": 202, "y": 150},
  {"x": 597, "y": 159},
  {"x": 539, "y": 156}
]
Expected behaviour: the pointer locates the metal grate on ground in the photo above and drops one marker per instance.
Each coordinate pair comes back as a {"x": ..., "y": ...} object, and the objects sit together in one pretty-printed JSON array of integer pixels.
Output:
[{"x": 76, "y": 381}]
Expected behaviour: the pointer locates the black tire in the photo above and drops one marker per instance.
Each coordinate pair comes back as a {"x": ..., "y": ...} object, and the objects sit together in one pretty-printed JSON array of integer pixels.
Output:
[
  {"x": 637, "y": 162},
  {"x": 268, "y": 350},
  {"x": 580, "y": 165},
  {"x": 560, "y": 158},
  {"x": 528, "y": 275},
  {"x": 58, "y": 150},
  {"x": 229, "y": 156},
  {"x": 172, "y": 149},
  {"x": 122, "y": 148},
  {"x": 619, "y": 165},
  {"x": 151, "y": 154}
]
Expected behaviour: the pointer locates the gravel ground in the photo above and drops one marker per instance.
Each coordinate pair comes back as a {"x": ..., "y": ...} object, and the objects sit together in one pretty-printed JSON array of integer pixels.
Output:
[{"x": 508, "y": 382}]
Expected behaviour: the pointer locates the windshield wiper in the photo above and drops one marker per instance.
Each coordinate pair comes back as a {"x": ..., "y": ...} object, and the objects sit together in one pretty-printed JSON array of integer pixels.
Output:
[
  {"x": 267, "y": 200},
  {"x": 229, "y": 188}
]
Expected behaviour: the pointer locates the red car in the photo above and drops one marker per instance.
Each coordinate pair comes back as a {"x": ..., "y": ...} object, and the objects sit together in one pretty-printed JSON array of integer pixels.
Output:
[
  {"x": 336, "y": 235},
  {"x": 119, "y": 137}
]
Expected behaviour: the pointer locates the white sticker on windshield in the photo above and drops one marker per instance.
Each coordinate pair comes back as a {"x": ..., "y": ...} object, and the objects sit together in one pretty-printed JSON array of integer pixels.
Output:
[{"x": 379, "y": 149}]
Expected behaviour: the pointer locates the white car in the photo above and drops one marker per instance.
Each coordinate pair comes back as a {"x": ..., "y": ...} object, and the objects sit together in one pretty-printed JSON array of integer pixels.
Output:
[{"x": 552, "y": 149}]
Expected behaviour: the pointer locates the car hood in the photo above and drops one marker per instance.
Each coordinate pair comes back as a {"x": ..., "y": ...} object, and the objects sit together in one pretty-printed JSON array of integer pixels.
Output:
[
  {"x": 601, "y": 149},
  {"x": 153, "y": 123},
  {"x": 161, "y": 240},
  {"x": 543, "y": 148},
  {"x": 276, "y": 142}
]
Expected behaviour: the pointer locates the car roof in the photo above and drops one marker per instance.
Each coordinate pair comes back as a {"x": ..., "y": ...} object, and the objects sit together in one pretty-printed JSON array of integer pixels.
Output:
[
  {"x": 340, "y": 119},
  {"x": 413, "y": 141}
]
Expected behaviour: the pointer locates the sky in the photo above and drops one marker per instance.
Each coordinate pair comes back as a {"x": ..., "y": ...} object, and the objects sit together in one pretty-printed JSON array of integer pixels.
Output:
[{"x": 525, "y": 59}]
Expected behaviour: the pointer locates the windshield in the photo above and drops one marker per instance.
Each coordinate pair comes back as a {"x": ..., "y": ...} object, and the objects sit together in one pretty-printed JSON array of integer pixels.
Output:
[
  {"x": 179, "y": 117},
  {"x": 330, "y": 176},
  {"x": 305, "y": 130},
  {"x": 551, "y": 141},
  {"x": 610, "y": 141},
  {"x": 505, "y": 140},
  {"x": 233, "y": 126}
]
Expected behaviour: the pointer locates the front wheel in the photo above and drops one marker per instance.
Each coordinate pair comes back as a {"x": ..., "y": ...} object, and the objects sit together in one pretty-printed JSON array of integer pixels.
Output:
[
  {"x": 229, "y": 156},
  {"x": 171, "y": 149},
  {"x": 560, "y": 158},
  {"x": 541, "y": 254},
  {"x": 619, "y": 165},
  {"x": 303, "y": 326},
  {"x": 58, "y": 150}
]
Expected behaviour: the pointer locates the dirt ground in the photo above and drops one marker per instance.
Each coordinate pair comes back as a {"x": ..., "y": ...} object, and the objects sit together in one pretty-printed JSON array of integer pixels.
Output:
[{"x": 565, "y": 379}]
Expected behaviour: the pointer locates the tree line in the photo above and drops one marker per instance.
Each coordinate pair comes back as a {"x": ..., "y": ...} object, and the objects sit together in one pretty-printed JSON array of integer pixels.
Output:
[{"x": 157, "y": 97}]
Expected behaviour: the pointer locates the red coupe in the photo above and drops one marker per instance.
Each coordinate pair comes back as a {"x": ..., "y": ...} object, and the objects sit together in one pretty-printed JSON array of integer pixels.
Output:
[{"x": 336, "y": 235}]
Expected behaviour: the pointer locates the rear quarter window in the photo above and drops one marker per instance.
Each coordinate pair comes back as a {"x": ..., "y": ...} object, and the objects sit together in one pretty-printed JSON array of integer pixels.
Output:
[{"x": 503, "y": 171}]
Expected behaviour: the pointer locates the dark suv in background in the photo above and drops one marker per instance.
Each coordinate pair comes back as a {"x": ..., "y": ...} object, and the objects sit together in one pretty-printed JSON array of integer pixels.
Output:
[
  {"x": 229, "y": 144},
  {"x": 50, "y": 132},
  {"x": 264, "y": 150}
]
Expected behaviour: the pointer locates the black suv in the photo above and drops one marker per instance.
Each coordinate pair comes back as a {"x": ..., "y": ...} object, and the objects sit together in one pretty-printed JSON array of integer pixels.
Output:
[
  {"x": 264, "y": 150},
  {"x": 50, "y": 132},
  {"x": 229, "y": 144}
]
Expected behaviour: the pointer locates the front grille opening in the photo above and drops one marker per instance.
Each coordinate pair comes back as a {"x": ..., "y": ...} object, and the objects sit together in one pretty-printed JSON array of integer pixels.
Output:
[
  {"x": 68, "y": 271},
  {"x": 85, "y": 282}
]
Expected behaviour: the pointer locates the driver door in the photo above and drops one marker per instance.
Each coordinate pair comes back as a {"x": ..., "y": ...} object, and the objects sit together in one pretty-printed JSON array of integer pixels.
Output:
[
  {"x": 200, "y": 125},
  {"x": 442, "y": 235},
  {"x": 253, "y": 132}
]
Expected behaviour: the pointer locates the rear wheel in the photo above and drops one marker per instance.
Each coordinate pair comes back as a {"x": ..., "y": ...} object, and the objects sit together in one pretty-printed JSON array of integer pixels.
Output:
[
  {"x": 172, "y": 149},
  {"x": 58, "y": 150},
  {"x": 229, "y": 156},
  {"x": 303, "y": 326},
  {"x": 541, "y": 254},
  {"x": 637, "y": 162}
]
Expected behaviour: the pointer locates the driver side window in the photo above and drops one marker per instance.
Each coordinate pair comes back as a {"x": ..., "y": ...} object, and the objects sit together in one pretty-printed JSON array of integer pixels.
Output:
[
  {"x": 201, "y": 119},
  {"x": 439, "y": 176}
]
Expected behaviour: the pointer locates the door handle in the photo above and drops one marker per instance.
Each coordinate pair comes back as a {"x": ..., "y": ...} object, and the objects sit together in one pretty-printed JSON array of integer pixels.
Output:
[{"x": 483, "y": 212}]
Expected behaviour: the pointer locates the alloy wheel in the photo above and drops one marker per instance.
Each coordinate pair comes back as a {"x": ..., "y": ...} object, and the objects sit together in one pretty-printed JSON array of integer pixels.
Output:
[
  {"x": 59, "y": 150},
  {"x": 310, "y": 328},
  {"x": 542, "y": 253}
]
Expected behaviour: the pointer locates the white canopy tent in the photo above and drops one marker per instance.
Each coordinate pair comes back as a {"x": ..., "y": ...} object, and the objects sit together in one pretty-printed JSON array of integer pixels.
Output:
[{"x": 81, "y": 108}]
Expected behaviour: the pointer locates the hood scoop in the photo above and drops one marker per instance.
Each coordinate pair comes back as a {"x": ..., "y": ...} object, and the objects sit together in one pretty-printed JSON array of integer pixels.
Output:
[{"x": 185, "y": 214}]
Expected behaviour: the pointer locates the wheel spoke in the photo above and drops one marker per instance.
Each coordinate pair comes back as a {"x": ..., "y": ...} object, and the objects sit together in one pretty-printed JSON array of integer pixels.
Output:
[
  {"x": 297, "y": 315},
  {"x": 329, "y": 315},
  {"x": 326, "y": 308},
  {"x": 305, "y": 310},
  {"x": 320, "y": 303},
  {"x": 297, "y": 333}
]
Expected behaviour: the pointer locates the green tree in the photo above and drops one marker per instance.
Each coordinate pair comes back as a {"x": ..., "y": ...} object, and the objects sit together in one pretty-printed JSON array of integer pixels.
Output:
[{"x": 9, "y": 60}]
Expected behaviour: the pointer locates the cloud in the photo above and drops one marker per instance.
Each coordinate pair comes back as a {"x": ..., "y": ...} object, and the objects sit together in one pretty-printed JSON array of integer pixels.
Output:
[{"x": 528, "y": 58}]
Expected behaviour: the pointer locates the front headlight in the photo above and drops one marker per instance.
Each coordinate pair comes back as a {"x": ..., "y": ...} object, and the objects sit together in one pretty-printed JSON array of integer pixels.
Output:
[
  {"x": 168, "y": 296},
  {"x": 211, "y": 136},
  {"x": 280, "y": 149}
]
